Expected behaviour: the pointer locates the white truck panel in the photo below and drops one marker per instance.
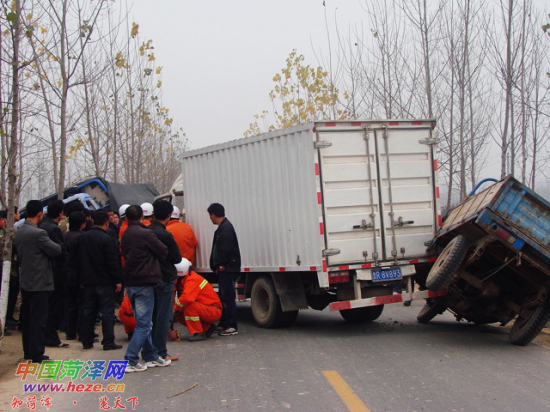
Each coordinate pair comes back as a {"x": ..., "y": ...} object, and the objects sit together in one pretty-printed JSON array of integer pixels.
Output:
[
  {"x": 267, "y": 186},
  {"x": 289, "y": 200}
]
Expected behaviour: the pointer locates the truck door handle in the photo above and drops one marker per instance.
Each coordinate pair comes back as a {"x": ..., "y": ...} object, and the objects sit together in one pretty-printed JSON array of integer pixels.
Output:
[
  {"x": 401, "y": 222},
  {"x": 364, "y": 225}
]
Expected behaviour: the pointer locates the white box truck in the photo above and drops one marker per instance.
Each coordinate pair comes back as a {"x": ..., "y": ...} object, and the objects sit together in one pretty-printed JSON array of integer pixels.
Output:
[{"x": 329, "y": 213}]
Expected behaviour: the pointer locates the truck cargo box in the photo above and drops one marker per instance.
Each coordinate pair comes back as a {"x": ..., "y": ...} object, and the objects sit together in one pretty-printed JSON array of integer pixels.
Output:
[{"x": 321, "y": 196}]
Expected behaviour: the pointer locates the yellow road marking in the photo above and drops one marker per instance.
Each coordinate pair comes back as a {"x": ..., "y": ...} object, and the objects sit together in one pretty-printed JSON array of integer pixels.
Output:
[{"x": 350, "y": 399}]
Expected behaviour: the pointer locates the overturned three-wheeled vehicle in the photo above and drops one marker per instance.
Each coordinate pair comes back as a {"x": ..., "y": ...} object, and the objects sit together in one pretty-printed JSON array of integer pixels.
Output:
[{"x": 495, "y": 261}]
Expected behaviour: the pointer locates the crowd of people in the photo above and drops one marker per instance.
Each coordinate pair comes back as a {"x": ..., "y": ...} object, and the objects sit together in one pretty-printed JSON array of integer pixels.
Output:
[{"x": 73, "y": 268}]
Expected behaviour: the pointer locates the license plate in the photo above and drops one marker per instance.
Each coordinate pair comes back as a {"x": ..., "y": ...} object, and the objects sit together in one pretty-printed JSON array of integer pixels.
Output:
[{"x": 380, "y": 275}]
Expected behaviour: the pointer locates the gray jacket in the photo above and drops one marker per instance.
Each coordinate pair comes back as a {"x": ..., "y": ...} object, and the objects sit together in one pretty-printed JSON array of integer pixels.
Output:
[{"x": 34, "y": 249}]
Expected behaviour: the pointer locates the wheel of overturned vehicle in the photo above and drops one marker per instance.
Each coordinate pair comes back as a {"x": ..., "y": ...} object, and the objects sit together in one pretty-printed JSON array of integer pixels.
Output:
[
  {"x": 265, "y": 303},
  {"x": 447, "y": 263},
  {"x": 362, "y": 315},
  {"x": 527, "y": 327},
  {"x": 432, "y": 308}
]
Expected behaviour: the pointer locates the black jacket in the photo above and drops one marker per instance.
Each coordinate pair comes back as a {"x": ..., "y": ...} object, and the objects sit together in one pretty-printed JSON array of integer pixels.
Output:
[
  {"x": 72, "y": 238},
  {"x": 169, "y": 272},
  {"x": 98, "y": 259},
  {"x": 142, "y": 251},
  {"x": 225, "y": 248},
  {"x": 59, "y": 268}
]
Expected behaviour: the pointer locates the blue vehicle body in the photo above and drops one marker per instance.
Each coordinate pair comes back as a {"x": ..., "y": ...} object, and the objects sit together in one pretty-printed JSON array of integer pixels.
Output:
[
  {"x": 499, "y": 267},
  {"x": 97, "y": 193}
]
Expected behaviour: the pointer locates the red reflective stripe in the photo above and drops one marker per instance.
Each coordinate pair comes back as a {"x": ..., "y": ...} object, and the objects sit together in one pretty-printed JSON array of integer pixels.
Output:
[
  {"x": 382, "y": 300},
  {"x": 432, "y": 259},
  {"x": 413, "y": 261},
  {"x": 416, "y": 123},
  {"x": 437, "y": 192},
  {"x": 366, "y": 266},
  {"x": 356, "y": 123},
  {"x": 319, "y": 198},
  {"x": 330, "y": 124},
  {"x": 435, "y": 165},
  {"x": 322, "y": 228},
  {"x": 324, "y": 265},
  {"x": 440, "y": 220},
  {"x": 338, "y": 279},
  {"x": 313, "y": 268},
  {"x": 344, "y": 268},
  {"x": 341, "y": 305},
  {"x": 442, "y": 292},
  {"x": 240, "y": 285},
  {"x": 247, "y": 269},
  {"x": 282, "y": 269},
  {"x": 316, "y": 169},
  {"x": 394, "y": 123}
]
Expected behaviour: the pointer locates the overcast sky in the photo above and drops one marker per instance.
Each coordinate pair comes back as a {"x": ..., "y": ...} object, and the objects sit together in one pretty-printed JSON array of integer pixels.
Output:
[{"x": 219, "y": 56}]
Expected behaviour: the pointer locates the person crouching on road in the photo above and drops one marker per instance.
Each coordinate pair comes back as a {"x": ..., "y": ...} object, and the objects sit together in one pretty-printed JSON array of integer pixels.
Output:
[{"x": 197, "y": 303}]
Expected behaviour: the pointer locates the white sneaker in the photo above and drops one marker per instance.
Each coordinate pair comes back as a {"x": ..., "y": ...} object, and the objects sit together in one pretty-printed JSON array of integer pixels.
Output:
[
  {"x": 229, "y": 332},
  {"x": 159, "y": 362},
  {"x": 138, "y": 367}
]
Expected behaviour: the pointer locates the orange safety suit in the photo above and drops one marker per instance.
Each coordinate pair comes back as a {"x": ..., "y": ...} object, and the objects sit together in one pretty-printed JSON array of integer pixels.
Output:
[
  {"x": 185, "y": 239},
  {"x": 198, "y": 305},
  {"x": 126, "y": 315}
]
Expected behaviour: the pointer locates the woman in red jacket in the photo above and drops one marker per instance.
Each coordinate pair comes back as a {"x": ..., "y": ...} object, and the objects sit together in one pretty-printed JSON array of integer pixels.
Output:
[{"x": 197, "y": 303}]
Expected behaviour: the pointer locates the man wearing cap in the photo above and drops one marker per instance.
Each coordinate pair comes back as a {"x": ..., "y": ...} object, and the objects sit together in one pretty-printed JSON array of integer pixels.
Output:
[
  {"x": 197, "y": 303},
  {"x": 164, "y": 292},
  {"x": 183, "y": 235},
  {"x": 123, "y": 220},
  {"x": 147, "y": 213},
  {"x": 123, "y": 227}
]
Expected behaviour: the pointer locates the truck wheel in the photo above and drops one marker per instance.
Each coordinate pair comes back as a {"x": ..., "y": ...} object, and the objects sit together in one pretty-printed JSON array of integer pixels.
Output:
[
  {"x": 447, "y": 263},
  {"x": 431, "y": 309},
  {"x": 265, "y": 303},
  {"x": 362, "y": 315},
  {"x": 525, "y": 329},
  {"x": 288, "y": 318}
]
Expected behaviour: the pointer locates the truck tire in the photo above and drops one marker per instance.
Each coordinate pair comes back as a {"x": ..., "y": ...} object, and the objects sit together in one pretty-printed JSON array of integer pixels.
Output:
[
  {"x": 362, "y": 315},
  {"x": 431, "y": 309},
  {"x": 525, "y": 329},
  {"x": 265, "y": 303},
  {"x": 447, "y": 263},
  {"x": 288, "y": 318}
]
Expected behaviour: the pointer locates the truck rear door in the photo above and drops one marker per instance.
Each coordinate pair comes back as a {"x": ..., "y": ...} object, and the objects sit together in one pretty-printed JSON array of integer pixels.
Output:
[{"x": 378, "y": 190}]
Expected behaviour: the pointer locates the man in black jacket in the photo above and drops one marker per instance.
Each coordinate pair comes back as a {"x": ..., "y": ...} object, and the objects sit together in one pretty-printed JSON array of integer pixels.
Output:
[
  {"x": 56, "y": 311},
  {"x": 77, "y": 222},
  {"x": 100, "y": 276},
  {"x": 164, "y": 292},
  {"x": 225, "y": 260},
  {"x": 142, "y": 252}
]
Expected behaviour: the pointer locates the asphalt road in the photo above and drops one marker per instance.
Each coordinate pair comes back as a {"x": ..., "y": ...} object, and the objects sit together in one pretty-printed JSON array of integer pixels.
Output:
[{"x": 392, "y": 364}]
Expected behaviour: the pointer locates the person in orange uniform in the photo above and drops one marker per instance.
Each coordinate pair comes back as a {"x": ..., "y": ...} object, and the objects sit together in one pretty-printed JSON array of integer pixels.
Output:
[
  {"x": 147, "y": 213},
  {"x": 184, "y": 236},
  {"x": 197, "y": 303},
  {"x": 126, "y": 316},
  {"x": 123, "y": 227}
]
